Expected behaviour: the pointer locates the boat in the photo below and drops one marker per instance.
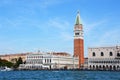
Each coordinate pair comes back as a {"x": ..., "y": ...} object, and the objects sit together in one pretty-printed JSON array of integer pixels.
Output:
[{"x": 5, "y": 69}]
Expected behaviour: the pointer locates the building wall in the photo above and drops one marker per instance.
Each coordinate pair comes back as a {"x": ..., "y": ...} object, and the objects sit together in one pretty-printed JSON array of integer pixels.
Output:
[
  {"x": 12, "y": 57},
  {"x": 110, "y": 60},
  {"x": 50, "y": 61},
  {"x": 105, "y": 50},
  {"x": 65, "y": 61},
  {"x": 85, "y": 63},
  {"x": 79, "y": 50}
]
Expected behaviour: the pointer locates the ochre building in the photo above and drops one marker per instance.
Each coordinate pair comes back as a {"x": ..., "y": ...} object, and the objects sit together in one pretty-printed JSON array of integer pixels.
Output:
[{"x": 14, "y": 57}]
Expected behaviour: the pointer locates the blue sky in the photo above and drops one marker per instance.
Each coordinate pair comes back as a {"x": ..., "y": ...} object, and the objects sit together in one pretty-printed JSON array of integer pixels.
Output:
[{"x": 47, "y": 25}]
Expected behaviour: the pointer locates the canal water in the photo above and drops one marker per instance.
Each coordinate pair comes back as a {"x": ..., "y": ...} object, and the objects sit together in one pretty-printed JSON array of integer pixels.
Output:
[{"x": 59, "y": 75}]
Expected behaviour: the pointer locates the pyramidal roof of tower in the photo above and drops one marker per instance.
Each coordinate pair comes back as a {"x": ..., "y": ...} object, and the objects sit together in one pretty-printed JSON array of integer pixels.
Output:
[{"x": 78, "y": 21}]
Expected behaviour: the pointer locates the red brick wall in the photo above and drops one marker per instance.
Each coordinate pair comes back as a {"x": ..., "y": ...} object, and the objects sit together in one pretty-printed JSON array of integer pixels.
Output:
[{"x": 79, "y": 50}]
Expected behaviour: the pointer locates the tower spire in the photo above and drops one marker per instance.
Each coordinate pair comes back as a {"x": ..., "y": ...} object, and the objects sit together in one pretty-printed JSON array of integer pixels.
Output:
[{"x": 78, "y": 21}]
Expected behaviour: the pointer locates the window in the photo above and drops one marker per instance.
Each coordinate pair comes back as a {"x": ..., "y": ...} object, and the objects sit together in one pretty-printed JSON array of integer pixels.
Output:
[
  {"x": 45, "y": 60},
  {"x": 118, "y": 54},
  {"x": 90, "y": 66},
  {"x": 111, "y": 54},
  {"x": 93, "y": 53},
  {"x": 76, "y": 33},
  {"x": 102, "y": 54}
]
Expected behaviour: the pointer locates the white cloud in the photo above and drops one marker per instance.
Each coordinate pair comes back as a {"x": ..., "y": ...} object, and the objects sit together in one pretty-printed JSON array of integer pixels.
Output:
[
  {"x": 90, "y": 26},
  {"x": 31, "y": 4},
  {"x": 47, "y": 3},
  {"x": 58, "y": 23},
  {"x": 66, "y": 36},
  {"x": 6, "y": 2},
  {"x": 11, "y": 23},
  {"x": 63, "y": 27},
  {"x": 110, "y": 37}
]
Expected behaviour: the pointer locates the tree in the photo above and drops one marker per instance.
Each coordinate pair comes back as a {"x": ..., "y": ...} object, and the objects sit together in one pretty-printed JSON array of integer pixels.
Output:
[
  {"x": 18, "y": 62},
  {"x": 14, "y": 60},
  {"x": 4, "y": 63},
  {"x": 9, "y": 64}
]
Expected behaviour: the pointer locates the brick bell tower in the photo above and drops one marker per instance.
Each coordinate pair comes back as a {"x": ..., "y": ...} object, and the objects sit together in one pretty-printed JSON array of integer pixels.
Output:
[{"x": 79, "y": 41}]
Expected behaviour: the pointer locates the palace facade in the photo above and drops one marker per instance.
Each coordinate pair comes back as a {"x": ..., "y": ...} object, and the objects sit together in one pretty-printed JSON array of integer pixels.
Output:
[
  {"x": 50, "y": 61},
  {"x": 104, "y": 58}
]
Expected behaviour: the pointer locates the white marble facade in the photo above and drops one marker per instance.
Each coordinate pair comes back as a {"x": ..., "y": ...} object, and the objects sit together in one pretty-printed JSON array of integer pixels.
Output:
[
  {"x": 104, "y": 58},
  {"x": 50, "y": 61}
]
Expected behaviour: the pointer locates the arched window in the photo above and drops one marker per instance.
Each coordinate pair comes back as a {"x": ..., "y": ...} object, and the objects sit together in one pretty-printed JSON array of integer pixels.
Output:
[
  {"x": 93, "y": 54},
  {"x": 111, "y": 54},
  {"x": 90, "y": 66},
  {"x": 50, "y": 60},
  {"x": 96, "y": 66},
  {"x": 118, "y": 54},
  {"x": 117, "y": 66},
  {"x": 114, "y": 67},
  {"x": 102, "y": 54},
  {"x": 103, "y": 67},
  {"x": 110, "y": 67},
  {"x": 93, "y": 67},
  {"x": 106, "y": 66}
]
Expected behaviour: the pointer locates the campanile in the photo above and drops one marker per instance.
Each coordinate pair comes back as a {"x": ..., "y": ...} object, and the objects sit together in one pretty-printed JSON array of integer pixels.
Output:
[{"x": 79, "y": 40}]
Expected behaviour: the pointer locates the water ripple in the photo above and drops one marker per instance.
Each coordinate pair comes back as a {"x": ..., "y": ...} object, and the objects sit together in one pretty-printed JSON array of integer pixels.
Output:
[{"x": 59, "y": 75}]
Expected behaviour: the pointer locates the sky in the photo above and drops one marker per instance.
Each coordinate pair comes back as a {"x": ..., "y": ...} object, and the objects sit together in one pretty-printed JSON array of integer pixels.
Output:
[{"x": 47, "y": 25}]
